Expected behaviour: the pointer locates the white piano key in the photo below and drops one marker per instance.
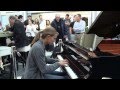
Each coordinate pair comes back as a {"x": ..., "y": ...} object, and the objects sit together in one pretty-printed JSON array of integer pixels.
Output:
[
  {"x": 68, "y": 69},
  {"x": 59, "y": 57},
  {"x": 74, "y": 57},
  {"x": 71, "y": 73}
]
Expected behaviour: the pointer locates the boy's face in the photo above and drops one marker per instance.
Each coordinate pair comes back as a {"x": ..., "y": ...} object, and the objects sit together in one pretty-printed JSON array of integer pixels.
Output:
[
  {"x": 30, "y": 18},
  {"x": 51, "y": 39}
]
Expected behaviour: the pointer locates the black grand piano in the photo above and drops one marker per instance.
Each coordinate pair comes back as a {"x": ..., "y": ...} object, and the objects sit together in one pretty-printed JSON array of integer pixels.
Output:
[{"x": 107, "y": 63}]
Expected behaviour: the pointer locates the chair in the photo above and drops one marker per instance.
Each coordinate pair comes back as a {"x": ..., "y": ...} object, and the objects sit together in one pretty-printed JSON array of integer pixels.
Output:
[
  {"x": 5, "y": 51},
  {"x": 24, "y": 50}
]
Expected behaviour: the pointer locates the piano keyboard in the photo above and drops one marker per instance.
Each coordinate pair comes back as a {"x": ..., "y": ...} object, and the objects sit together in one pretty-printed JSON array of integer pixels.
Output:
[{"x": 68, "y": 69}]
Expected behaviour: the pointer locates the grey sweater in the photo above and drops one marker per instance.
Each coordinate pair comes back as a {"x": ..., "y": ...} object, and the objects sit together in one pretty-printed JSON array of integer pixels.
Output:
[{"x": 36, "y": 64}]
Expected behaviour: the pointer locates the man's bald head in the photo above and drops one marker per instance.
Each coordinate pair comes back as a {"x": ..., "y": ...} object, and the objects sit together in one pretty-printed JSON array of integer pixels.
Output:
[{"x": 57, "y": 17}]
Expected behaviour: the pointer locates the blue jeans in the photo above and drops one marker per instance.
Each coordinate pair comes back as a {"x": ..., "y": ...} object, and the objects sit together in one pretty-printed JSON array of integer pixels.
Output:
[{"x": 55, "y": 75}]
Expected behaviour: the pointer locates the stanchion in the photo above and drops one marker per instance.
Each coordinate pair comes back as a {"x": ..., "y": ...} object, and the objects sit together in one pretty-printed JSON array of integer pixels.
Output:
[{"x": 14, "y": 61}]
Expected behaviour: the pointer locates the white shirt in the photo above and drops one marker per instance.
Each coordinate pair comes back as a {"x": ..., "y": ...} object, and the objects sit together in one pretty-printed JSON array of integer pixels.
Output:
[
  {"x": 36, "y": 25},
  {"x": 79, "y": 27},
  {"x": 31, "y": 30},
  {"x": 42, "y": 24}
]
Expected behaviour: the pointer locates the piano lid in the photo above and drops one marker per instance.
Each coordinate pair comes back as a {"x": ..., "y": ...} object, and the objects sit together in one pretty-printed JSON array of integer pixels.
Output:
[{"x": 107, "y": 24}]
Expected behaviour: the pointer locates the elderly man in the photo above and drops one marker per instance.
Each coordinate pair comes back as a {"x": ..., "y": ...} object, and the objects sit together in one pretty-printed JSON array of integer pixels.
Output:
[{"x": 60, "y": 27}]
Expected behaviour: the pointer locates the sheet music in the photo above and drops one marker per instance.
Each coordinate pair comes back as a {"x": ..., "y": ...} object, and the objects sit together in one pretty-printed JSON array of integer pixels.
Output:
[
  {"x": 97, "y": 40},
  {"x": 90, "y": 41}
]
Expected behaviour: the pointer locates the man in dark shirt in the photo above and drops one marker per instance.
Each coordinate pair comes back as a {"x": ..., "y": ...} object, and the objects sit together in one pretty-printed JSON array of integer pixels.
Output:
[
  {"x": 19, "y": 35},
  {"x": 60, "y": 27},
  {"x": 72, "y": 24},
  {"x": 16, "y": 16},
  {"x": 67, "y": 23},
  {"x": 20, "y": 17}
]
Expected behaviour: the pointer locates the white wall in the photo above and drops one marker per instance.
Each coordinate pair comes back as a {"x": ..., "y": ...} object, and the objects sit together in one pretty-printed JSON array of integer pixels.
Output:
[
  {"x": 4, "y": 15},
  {"x": 50, "y": 15},
  {"x": 92, "y": 17}
]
